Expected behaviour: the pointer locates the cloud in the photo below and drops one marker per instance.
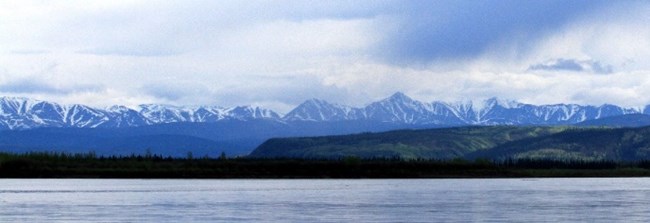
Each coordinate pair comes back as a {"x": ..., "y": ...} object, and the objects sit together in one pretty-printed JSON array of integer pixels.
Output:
[
  {"x": 614, "y": 36},
  {"x": 25, "y": 86},
  {"x": 573, "y": 65},
  {"x": 279, "y": 53},
  {"x": 131, "y": 52},
  {"x": 178, "y": 92},
  {"x": 34, "y": 86},
  {"x": 29, "y": 52},
  {"x": 425, "y": 31}
]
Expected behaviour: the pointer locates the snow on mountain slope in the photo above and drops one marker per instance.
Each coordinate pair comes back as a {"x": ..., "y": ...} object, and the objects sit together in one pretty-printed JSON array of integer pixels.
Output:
[
  {"x": 403, "y": 109},
  {"x": 168, "y": 114},
  {"x": 319, "y": 110},
  {"x": 400, "y": 108},
  {"x": 24, "y": 113},
  {"x": 246, "y": 113}
]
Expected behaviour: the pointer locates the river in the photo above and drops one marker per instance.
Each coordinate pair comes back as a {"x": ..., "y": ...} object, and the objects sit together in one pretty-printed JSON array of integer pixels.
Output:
[{"x": 387, "y": 200}]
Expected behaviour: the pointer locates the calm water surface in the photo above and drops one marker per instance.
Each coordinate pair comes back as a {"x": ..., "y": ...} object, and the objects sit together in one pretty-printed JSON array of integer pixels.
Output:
[{"x": 435, "y": 200}]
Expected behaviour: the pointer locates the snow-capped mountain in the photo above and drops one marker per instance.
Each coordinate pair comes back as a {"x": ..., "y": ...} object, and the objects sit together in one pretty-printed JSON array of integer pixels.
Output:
[
  {"x": 247, "y": 113},
  {"x": 169, "y": 114},
  {"x": 400, "y": 108},
  {"x": 319, "y": 110},
  {"x": 23, "y": 113}
]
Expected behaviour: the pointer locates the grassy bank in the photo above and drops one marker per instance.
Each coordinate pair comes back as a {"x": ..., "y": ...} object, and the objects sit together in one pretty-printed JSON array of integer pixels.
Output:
[{"x": 60, "y": 165}]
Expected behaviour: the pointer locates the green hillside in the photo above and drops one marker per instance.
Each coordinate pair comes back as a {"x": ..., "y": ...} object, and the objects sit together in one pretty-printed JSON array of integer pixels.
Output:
[
  {"x": 491, "y": 142},
  {"x": 445, "y": 143},
  {"x": 621, "y": 144}
]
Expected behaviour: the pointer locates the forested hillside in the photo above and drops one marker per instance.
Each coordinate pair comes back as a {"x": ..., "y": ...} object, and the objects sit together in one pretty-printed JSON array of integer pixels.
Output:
[{"x": 491, "y": 142}]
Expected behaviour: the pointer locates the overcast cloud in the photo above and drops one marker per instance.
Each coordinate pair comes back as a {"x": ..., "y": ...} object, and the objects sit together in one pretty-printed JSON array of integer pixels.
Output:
[{"x": 277, "y": 54}]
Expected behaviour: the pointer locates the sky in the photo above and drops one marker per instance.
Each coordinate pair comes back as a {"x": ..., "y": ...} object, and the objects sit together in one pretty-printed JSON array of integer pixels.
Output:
[{"x": 277, "y": 54}]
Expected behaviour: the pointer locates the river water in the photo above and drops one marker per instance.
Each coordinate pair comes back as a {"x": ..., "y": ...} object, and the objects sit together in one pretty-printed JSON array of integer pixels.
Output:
[{"x": 422, "y": 200}]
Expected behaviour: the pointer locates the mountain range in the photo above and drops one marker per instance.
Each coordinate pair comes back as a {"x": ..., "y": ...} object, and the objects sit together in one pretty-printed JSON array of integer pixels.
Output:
[
  {"x": 23, "y": 113},
  {"x": 33, "y": 125}
]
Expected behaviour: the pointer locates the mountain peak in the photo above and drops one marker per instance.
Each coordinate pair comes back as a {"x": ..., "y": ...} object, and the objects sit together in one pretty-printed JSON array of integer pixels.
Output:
[
  {"x": 400, "y": 96},
  {"x": 8, "y": 98},
  {"x": 494, "y": 101},
  {"x": 157, "y": 106},
  {"x": 321, "y": 110},
  {"x": 248, "y": 112},
  {"x": 24, "y": 113},
  {"x": 316, "y": 101},
  {"x": 506, "y": 103},
  {"x": 19, "y": 100},
  {"x": 118, "y": 109}
]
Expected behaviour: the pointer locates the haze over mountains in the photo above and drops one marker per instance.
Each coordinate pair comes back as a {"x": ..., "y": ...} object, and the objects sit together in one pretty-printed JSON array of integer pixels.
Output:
[{"x": 33, "y": 125}]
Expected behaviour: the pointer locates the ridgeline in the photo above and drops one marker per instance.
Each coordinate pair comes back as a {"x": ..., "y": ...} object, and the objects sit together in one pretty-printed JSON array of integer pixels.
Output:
[{"x": 486, "y": 142}]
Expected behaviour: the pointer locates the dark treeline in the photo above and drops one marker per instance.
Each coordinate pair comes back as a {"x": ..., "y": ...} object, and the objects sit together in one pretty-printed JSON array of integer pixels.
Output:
[
  {"x": 530, "y": 163},
  {"x": 89, "y": 165}
]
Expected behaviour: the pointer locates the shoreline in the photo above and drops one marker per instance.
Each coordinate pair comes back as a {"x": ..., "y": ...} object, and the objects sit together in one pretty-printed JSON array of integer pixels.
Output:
[{"x": 46, "y": 165}]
